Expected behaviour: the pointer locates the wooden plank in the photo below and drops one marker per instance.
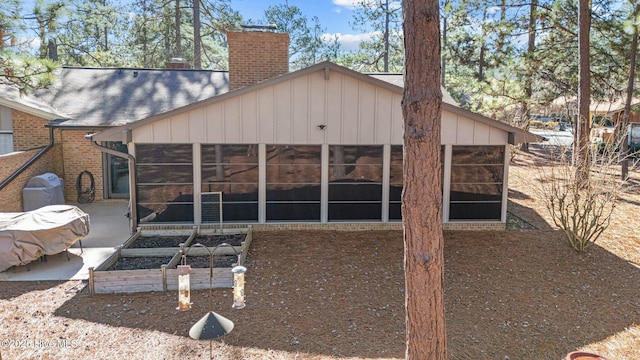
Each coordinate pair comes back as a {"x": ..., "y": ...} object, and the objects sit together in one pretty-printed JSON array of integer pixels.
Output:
[
  {"x": 110, "y": 260},
  {"x": 203, "y": 285},
  {"x": 115, "y": 289},
  {"x": 150, "y": 231},
  {"x": 175, "y": 260},
  {"x": 164, "y": 277},
  {"x": 220, "y": 250},
  {"x": 199, "y": 278},
  {"x": 245, "y": 246},
  {"x": 91, "y": 283},
  {"x": 153, "y": 252},
  {"x": 193, "y": 235},
  {"x": 127, "y": 275},
  {"x": 133, "y": 238},
  {"x": 216, "y": 231},
  {"x": 128, "y": 281}
]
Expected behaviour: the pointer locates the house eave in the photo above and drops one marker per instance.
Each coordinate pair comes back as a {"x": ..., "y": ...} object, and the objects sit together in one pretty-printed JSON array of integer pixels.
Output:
[{"x": 29, "y": 110}]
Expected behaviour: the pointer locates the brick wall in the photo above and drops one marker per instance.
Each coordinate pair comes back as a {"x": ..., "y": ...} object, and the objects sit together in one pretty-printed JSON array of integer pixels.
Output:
[
  {"x": 29, "y": 131},
  {"x": 178, "y": 64},
  {"x": 255, "y": 56},
  {"x": 79, "y": 155},
  {"x": 357, "y": 226},
  {"x": 11, "y": 195}
]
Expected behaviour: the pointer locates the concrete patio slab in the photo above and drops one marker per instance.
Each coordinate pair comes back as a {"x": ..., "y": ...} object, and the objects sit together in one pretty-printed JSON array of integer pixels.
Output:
[
  {"x": 57, "y": 267},
  {"x": 108, "y": 228}
]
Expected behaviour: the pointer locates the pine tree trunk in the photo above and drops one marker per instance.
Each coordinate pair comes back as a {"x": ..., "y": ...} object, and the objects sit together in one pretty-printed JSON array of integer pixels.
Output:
[
  {"x": 582, "y": 147},
  {"x": 528, "y": 84},
  {"x": 178, "y": 25},
  {"x": 624, "y": 165},
  {"x": 421, "y": 198},
  {"x": 197, "y": 55}
]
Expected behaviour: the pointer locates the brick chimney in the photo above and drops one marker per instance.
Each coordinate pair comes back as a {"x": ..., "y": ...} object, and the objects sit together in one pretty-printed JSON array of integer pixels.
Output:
[
  {"x": 177, "y": 64},
  {"x": 255, "y": 56}
]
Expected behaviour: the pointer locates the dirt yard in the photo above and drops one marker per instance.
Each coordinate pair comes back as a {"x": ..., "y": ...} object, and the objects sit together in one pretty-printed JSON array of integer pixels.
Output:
[{"x": 521, "y": 294}]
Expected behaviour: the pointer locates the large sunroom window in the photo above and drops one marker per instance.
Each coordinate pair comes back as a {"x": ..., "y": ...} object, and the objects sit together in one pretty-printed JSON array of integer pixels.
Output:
[
  {"x": 293, "y": 182},
  {"x": 355, "y": 182},
  {"x": 164, "y": 182},
  {"x": 477, "y": 175},
  {"x": 232, "y": 170}
]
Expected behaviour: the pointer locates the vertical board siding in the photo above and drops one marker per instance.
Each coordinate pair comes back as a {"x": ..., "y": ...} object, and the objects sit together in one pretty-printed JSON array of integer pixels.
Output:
[
  {"x": 449, "y": 128},
  {"x": 162, "y": 131},
  {"x": 354, "y": 112},
  {"x": 143, "y": 134},
  {"x": 215, "y": 123},
  {"x": 266, "y": 116},
  {"x": 317, "y": 107},
  {"x": 397, "y": 120},
  {"x": 249, "y": 118},
  {"x": 180, "y": 129},
  {"x": 232, "y": 118},
  {"x": 283, "y": 121},
  {"x": 300, "y": 110},
  {"x": 383, "y": 117},
  {"x": 197, "y": 126},
  {"x": 481, "y": 133},
  {"x": 350, "y": 109},
  {"x": 367, "y": 113},
  {"x": 334, "y": 108},
  {"x": 466, "y": 128}
]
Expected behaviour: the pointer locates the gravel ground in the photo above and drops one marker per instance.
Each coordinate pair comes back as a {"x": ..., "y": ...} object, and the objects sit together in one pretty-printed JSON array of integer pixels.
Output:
[
  {"x": 214, "y": 240},
  {"x": 158, "y": 241},
  {"x": 140, "y": 262},
  {"x": 219, "y": 261}
]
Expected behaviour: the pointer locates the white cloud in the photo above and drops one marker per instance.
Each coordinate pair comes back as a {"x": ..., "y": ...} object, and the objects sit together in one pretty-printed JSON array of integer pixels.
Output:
[
  {"x": 350, "y": 4},
  {"x": 348, "y": 42}
]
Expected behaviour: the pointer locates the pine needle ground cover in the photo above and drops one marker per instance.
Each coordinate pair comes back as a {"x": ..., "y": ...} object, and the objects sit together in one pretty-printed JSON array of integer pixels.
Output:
[{"x": 516, "y": 294}]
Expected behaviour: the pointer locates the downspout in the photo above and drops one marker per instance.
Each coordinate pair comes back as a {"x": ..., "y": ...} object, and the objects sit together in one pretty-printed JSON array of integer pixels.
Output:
[
  {"x": 24, "y": 166},
  {"x": 133, "y": 213}
]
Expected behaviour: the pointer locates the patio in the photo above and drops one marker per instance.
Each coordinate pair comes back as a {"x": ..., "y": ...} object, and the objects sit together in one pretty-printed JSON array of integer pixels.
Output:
[{"x": 109, "y": 227}]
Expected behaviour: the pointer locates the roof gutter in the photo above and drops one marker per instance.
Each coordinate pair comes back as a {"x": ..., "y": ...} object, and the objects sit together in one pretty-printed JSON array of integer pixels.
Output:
[
  {"x": 26, "y": 165},
  {"x": 133, "y": 213}
]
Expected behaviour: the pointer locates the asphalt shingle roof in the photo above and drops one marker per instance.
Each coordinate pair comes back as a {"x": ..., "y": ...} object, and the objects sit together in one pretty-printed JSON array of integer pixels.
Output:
[{"x": 112, "y": 96}]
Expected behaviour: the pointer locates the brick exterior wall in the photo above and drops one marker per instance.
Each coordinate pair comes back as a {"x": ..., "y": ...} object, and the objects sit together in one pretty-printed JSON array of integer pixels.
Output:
[
  {"x": 70, "y": 155},
  {"x": 255, "y": 56},
  {"x": 489, "y": 226},
  {"x": 29, "y": 131},
  {"x": 80, "y": 155},
  {"x": 11, "y": 195}
]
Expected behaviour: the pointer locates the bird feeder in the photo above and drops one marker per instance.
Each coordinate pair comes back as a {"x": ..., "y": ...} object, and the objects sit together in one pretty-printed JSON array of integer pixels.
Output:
[
  {"x": 238, "y": 287},
  {"x": 184, "y": 291}
]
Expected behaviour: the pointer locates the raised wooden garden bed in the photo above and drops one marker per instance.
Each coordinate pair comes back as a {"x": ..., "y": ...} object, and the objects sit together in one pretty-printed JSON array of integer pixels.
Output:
[{"x": 143, "y": 263}]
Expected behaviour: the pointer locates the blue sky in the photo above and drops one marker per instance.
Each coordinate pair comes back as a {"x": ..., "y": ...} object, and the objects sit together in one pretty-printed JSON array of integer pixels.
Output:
[{"x": 334, "y": 15}]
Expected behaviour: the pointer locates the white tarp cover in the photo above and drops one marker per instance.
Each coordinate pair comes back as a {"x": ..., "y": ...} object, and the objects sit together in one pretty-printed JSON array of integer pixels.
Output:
[{"x": 49, "y": 230}]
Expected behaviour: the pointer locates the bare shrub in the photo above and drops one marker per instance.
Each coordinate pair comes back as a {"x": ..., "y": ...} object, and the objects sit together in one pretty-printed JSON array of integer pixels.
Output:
[{"x": 583, "y": 211}]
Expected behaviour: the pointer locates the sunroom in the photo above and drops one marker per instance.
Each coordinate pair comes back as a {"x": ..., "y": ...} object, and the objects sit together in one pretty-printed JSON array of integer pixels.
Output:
[{"x": 320, "y": 145}]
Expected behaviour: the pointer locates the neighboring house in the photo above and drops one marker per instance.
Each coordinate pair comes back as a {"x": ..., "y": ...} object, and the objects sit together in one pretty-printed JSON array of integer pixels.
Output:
[
  {"x": 600, "y": 111},
  {"x": 321, "y": 145}
]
